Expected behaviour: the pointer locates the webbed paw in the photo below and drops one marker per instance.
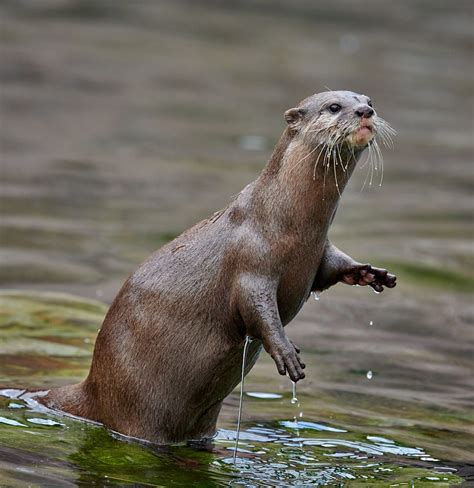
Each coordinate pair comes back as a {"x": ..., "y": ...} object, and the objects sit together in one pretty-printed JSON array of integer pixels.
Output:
[{"x": 366, "y": 274}]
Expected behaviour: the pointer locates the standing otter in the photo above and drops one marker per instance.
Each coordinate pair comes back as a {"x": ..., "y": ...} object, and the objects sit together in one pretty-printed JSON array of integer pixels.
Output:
[{"x": 170, "y": 348}]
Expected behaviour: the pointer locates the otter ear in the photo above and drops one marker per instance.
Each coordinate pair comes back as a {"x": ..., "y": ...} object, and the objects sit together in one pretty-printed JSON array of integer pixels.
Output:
[{"x": 293, "y": 116}]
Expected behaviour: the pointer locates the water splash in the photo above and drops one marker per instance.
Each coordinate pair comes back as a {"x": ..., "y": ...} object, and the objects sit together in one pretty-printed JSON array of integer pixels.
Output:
[{"x": 242, "y": 379}]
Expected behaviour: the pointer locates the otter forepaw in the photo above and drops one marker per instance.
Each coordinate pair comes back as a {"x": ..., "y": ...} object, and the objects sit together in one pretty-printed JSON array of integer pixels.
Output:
[
  {"x": 297, "y": 349},
  {"x": 286, "y": 357},
  {"x": 365, "y": 274}
]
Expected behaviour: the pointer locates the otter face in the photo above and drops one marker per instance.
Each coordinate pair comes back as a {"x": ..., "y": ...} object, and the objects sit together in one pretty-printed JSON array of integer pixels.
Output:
[{"x": 337, "y": 118}]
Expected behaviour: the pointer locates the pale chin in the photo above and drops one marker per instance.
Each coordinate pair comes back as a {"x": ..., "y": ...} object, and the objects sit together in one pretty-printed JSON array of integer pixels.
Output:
[{"x": 361, "y": 137}]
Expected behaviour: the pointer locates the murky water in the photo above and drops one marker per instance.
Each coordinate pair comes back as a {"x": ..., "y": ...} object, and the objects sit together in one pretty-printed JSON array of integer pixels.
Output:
[{"x": 125, "y": 125}]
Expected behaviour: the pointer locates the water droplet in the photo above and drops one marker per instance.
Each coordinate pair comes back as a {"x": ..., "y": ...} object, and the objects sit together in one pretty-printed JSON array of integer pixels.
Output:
[
  {"x": 301, "y": 415},
  {"x": 371, "y": 322},
  {"x": 369, "y": 375},
  {"x": 317, "y": 295},
  {"x": 294, "y": 399}
]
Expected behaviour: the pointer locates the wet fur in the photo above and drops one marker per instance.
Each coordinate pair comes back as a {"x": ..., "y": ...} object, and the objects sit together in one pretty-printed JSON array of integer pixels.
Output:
[{"x": 170, "y": 348}]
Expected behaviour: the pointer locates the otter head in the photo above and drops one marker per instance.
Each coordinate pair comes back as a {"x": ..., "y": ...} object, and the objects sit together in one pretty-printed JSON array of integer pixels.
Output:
[{"x": 337, "y": 118}]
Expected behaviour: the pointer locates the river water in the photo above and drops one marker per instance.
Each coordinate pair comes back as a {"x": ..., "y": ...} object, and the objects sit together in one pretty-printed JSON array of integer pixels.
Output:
[{"x": 124, "y": 125}]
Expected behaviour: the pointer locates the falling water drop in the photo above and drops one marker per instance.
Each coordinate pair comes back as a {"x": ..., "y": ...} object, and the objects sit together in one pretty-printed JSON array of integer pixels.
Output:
[
  {"x": 369, "y": 375},
  {"x": 294, "y": 399},
  {"x": 371, "y": 322},
  {"x": 317, "y": 295}
]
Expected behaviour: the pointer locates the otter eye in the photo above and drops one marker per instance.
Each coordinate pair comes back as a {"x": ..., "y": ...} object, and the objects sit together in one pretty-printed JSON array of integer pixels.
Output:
[
  {"x": 334, "y": 108},
  {"x": 369, "y": 103}
]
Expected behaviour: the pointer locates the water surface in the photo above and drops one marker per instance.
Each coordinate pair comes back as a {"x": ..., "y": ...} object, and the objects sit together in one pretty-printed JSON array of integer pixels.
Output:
[
  {"x": 125, "y": 125},
  {"x": 287, "y": 438}
]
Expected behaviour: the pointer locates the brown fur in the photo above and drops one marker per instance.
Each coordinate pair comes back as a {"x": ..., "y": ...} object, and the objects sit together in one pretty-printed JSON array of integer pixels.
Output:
[{"x": 170, "y": 348}]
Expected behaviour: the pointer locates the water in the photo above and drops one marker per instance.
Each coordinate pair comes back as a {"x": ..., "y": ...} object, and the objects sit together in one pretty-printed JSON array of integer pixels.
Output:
[
  {"x": 328, "y": 445},
  {"x": 241, "y": 398},
  {"x": 294, "y": 401},
  {"x": 55, "y": 450},
  {"x": 160, "y": 148},
  {"x": 294, "y": 398}
]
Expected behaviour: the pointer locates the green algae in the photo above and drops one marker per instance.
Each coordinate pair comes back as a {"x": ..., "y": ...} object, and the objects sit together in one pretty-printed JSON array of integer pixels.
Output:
[{"x": 47, "y": 339}]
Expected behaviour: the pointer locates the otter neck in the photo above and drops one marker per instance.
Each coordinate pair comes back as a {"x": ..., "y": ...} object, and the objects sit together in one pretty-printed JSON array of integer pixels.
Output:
[{"x": 300, "y": 187}]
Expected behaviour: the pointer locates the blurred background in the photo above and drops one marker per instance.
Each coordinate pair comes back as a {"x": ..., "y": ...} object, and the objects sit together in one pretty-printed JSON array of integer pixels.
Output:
[{"x": 124, "y": 123}]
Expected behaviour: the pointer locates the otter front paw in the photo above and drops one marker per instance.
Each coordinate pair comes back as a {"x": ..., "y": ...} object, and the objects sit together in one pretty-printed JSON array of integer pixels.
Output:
[
  {"x": 286, "y": 357},
  {"x": 365, "y": 274}
]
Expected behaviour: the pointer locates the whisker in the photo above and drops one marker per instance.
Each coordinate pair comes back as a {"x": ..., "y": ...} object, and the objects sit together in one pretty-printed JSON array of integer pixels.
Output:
[
  {"x": 335, "y": 174},
  {"x": 364, "y": 164},
  {"x": 371, "y": 169},
  {"x": 380, "y": 156},
  {"x": 368, "y": 169},
  {"x": 315, "y": 165},
  {"x": 303, "y": 158}
]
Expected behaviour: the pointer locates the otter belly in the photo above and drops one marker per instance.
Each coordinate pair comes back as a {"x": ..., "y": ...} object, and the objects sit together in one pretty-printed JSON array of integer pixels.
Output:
[
  {"x": 295, "y": 285},
  {"x": 161, "y": 372}
]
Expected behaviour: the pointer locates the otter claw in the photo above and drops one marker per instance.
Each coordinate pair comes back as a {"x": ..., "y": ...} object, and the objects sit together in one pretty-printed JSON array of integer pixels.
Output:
[
  {"x": 287, "y": 360},
  {"x": 366, "y": 274},
  {"x": 297, "y": 349}
]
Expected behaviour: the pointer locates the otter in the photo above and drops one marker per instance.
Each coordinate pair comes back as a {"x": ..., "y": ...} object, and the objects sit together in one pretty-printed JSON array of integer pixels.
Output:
[{"x": 170, "y": 348}]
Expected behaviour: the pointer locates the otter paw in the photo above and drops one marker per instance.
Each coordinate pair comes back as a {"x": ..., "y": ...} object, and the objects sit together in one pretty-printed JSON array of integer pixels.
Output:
[
  {"x": 286, "y": 357},
  {"x": 366, "y": 274},
  {"x": 297, "y": 349}
]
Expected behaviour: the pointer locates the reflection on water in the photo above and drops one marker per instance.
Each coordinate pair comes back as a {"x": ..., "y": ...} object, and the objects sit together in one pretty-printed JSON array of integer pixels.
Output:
[{"x": 41, "y": 447}]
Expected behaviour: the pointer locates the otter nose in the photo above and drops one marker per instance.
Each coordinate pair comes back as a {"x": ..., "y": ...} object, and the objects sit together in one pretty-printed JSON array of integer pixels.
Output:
[{"x": 364, "y": 111}]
